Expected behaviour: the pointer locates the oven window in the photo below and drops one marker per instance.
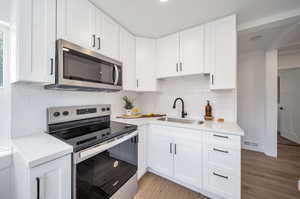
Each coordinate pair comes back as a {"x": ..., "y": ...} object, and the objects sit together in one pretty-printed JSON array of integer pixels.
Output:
[
  {"x": 101, "y": 176},
  {"x": 78, "y": 66}
]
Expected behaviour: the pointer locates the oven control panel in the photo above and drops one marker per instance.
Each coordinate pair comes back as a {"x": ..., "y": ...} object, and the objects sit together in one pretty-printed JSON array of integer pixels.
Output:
[{"x": 71, "y": 113}]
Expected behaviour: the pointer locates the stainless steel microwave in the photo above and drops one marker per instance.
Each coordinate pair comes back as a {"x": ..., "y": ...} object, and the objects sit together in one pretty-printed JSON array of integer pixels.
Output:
[{"x": 78, "y": 68}]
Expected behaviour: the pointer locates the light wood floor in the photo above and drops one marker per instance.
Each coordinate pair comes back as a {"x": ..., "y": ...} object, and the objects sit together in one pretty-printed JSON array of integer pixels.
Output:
[
  {"x": 267, "y": 178},
  {"x": 262, "y": 178},
  {"x": 154, "y": 187}
]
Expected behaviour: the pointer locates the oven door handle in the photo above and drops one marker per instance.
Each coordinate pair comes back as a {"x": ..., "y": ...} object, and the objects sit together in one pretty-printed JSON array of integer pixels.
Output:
[
  {"x": 116, "y": 75},
  {"x": 90, "y": 152}
]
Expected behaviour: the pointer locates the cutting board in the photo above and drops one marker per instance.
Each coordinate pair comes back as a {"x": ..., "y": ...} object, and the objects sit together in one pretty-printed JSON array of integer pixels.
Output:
[{"x": 137, "y": 116}]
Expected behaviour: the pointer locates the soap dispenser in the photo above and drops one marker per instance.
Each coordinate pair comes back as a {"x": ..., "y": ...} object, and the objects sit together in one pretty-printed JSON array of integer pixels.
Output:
[{"x": 208, "y": 112}]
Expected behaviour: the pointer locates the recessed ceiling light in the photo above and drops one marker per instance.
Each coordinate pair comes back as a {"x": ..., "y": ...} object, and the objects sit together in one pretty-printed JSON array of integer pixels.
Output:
[{"x": 164, "y": 1}]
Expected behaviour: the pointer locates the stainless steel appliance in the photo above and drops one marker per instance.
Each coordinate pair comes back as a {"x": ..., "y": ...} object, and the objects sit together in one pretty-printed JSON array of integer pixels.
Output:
[
  {"x": 78, "y": 68},
  {"x": 105, "y": 152}
]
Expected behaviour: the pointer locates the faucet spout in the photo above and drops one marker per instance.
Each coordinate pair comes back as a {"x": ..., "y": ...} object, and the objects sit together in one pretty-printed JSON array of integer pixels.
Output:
[{"x": 183, "y": 113}]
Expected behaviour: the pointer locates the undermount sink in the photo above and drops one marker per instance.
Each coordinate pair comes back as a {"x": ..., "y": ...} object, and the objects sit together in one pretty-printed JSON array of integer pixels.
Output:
[{"x": 177, "y": 120}]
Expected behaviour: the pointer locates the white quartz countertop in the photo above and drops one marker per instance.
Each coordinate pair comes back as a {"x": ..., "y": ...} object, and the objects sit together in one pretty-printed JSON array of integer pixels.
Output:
[
  {"x": 138, "y": 122},
  {"x": 39, "y": 148},
  {"x": 220, "y": 127},
  {"x": 5, "y": 158}
]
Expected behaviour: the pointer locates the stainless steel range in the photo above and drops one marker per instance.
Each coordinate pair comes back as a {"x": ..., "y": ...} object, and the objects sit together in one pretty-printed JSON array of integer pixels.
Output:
[{"x": 105, "y": 152}]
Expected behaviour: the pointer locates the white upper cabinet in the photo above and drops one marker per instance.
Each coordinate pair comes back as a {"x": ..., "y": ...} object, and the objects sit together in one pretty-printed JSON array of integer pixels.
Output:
[
  {"x": 181, "y": 53},
  {"x": 127, "y": 57},
  {"x": 75, "y": 22},
  {"x": 109, "y": 41},
  {"x": 192, "y": 51},
  {"x": 84, "y": 24},
  {"x": 33, "y": 41},
  {"x": 168, "y": 56},
  {"x": 223, "y": 55},
  {"x": 146, "y": 65}
]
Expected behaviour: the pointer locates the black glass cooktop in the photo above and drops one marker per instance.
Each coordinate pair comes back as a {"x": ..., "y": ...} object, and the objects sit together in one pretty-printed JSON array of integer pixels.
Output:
[{"x": 85, "y": 133}]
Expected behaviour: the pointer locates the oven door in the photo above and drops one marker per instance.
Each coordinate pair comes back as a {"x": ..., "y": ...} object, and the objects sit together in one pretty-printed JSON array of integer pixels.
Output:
[
  {"x": 84, "y": 68},
  {"x": 102, "y": 171}
]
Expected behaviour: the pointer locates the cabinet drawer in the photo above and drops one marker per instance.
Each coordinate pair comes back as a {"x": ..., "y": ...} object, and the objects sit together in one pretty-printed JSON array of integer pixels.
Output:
[
  {"x": 222, "y": 156},
  {"x": 179, "y": 133},
  {"x": 221, "y": 182},
  {"x": 225, "y": 140}
]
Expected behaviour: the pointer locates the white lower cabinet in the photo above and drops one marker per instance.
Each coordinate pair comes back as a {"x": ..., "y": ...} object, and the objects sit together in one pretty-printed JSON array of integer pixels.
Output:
[
  {"x": 5, "y": 185},
  {"x": 160, "y": 151},
  {"x": 222, "y": 165},
  {"x": 207, "y": 162},
  {"x": 188, "y": 160},
  {"x": 176, "y": 153},
  {"x": 142, "y": 151},
  {"x": 51, "y": 180}
]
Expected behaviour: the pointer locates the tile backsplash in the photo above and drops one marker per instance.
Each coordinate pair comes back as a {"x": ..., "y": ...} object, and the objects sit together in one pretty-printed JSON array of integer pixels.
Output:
[{"x": 195, "y": 92}]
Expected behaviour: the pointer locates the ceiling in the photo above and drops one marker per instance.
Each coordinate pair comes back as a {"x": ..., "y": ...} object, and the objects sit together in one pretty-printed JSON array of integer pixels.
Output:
[
  {"x": 152, "y": 18},
  {"x": 278, "y": 35}
]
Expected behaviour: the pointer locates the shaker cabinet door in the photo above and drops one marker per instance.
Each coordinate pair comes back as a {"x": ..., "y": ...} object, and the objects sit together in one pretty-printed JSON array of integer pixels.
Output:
[
  {"x": 160, "y": 153},
  {"x": 127, "y": 57},
  {"x": 192, "y": 51},
  {"x": 75, "y": 22},
  {"x": 168, "y": 56},
  {"x": 52, "y": 180},
  {"x": 224, "y": 54}
]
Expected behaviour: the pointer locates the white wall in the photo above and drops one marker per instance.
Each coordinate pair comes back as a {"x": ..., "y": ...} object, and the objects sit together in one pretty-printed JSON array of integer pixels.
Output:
[
  {"x": 289, "y": 117},
  {"x": 194, "y": 91},
  {"x": 251, "y": 98},
  {"x": 270, "y": 138},
  {"x": 5, "y": 96},
  {"x": 29, "y": 104},
  {"x": 5, "y": 10},
  {"x": 289, "y": 60}
]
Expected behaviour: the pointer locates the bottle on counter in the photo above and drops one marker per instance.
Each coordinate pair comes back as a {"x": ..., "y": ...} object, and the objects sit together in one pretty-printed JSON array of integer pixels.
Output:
[{"x": 208, "y": 112}]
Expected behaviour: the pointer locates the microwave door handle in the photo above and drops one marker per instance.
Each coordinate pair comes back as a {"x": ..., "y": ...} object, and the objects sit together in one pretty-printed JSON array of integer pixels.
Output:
[{"x": 117, "y": 75}]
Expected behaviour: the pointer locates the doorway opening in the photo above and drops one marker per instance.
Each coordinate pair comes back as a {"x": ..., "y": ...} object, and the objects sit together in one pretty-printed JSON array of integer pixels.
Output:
[{"x": 289, "y": 96}]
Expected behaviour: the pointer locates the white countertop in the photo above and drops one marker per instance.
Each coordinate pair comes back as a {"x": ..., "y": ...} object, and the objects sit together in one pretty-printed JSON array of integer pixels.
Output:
[
  {"x": 39, "y": 148},
  {"x": 220, "y": 127},
  {"x": 5, "y": 158}
]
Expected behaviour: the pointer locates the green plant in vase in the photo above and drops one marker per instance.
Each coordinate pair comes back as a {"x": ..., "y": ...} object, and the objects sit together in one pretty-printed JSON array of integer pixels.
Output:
[{"x": 128, "y": 105}]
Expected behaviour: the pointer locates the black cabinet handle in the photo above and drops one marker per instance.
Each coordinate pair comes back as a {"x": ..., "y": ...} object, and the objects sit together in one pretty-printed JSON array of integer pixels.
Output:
[
  {"x": 180, "y": 66},
  {"x": 171, "y": 148},
  {"x": 176, "y": 67},
  {"x": 221, "y": 136},
  {"x": 94, "y": 41},
  {"x": 221, "y": 176},
  {"x": 99, "y": 43},
  {"x": 212, "y": 79},
  {"x": 222, "y": 151},
  {"x": 38, "y": 188},
  {"x": 137, "y": 83},
  {"x": 52, "y": 66},
  {"x": 175, "y": 149}
]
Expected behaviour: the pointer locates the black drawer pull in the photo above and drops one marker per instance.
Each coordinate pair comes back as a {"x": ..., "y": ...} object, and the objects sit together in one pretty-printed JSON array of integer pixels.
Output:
[
  {"x": 221, "y": 176},
  {"x": 221, "y": 136},
  {"x": 218, "y": 150},
  {"x": 38, "y": 188}
]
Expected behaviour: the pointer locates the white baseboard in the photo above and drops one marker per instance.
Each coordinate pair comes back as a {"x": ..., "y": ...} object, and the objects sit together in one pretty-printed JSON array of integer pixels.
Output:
[
  {"x": 291, "y": 136},
  {"x": 252, "y": 148}
]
